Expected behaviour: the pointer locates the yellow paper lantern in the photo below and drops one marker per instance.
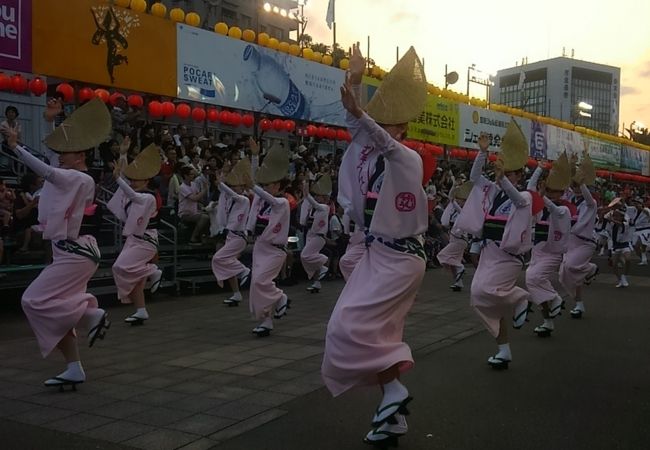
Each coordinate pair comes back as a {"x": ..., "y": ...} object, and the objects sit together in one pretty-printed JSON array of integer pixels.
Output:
[
  {"x": 376, "y": 71},
  {"x": 248, "y": 35},
  {"x": 177, "y": 15},
  {"x": 263, "y": 39},
  {"x": 273, "y": 44},
  {"x": 138, "y": 5},
  {"x": 158, "y": 10},
  {"x": 307, "y": 53},
  {"x": 327, "y": 60},
  {"x": 235, "y": 32},
  {"x": 294, "y": 50},
  {"x": 193, "y": 19},
  {"x": 221, "y": 28},
  {"x": 317, "y": 57},
  {"x": 283, "y": 47},
  {"x": 122, "y": 3},
  {"x": 344, "y": 63}
]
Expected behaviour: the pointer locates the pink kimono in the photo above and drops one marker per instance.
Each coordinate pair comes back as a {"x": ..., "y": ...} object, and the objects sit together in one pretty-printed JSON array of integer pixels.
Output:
[
  {"x": 232, "y": 213},
  {"x": 133, "y": 265},
  {"x": 318, "y": 214},
  {"x": 577, "y": 264},
  {"x": 452, "y": 254},
  {"x": 57, "y": 300},
  {"x": 269, "y": 219},
  {"x": 494, "y": 293},
  {"x": 365, "y": 332},
  {"x": 551, "y": 242}
]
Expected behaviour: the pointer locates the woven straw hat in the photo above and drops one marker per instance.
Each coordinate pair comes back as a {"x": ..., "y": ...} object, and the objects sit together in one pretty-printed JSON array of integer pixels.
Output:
[
  {"x": 240, "y": 175},
  {"x": 146, "y": 165},
  {"x": 463, "y": 191},
  {"x": 87, "y": 127},
  {"x": 586, "y": 170},
  {"x": 274, "y": 167},
  {"x": 560, "y": 176},
  {"x": 322, "y": 186},
  {"x": 401, "y": 96},
  {"x": 514, "y": 148}
]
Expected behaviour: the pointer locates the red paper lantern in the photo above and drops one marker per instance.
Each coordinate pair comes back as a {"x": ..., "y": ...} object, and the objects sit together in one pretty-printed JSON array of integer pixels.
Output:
[
  {"x": 155, "y": 108},
  {"x": 213, "y": 115},
  {"x": 103, "y": 95},
  {"x": 278, "y": 124},
  {"x": 37, "y": 86},
  {"x": 19, "y": 84},
  {"x": 289, "y": 125},
  {"x": 492, "y": 157},
  {"x": 341, "y": 134},
  {"x": 235, "y": 119},
  {"x": 5, "y": 82},
  {"x": 312, "y": 130},
  {"x": 321, "y": 132},
  {"x": 348, "y": 136},
  {"x": 198, "y": 114},
  {"x": 168, "y": 109},
  {"x": 183, "y": 110},
  {"x": 224, "y": 117},
  {"x": 472, "y": 154},
  {"x": 85, "y": 94},
  {"x": 266, "y": 124},
  {"x": 68, "y": 92},
  {"x": 248, "y": 120},
  {"x": 331, "y": 133},
  {"x": 115, "y": 96},
  {"x": 135, "y": 100}
]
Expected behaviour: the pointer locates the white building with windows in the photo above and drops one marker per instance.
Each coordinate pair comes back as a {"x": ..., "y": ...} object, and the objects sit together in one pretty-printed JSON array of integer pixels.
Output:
[{"x": 579, "y": 92}]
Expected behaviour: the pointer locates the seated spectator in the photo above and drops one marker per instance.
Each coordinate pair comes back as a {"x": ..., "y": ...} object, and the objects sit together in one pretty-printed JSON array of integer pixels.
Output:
[
  {"x": 11, "y": 122},
  {"x": 7, "y": 198},
  {"x": 188, "y": 206},
  {"x": 26, "y": 208}
]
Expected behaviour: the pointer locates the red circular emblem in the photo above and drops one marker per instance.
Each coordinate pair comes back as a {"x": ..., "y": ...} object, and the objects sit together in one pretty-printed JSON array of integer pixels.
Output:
[
  {"x": 240, "y": 217},
  {"x": 277, "y": 228},
  {"x": 140, "y": 220},
  {"x": 405, "y": 202},
  {"x": 321, "y": 224}
]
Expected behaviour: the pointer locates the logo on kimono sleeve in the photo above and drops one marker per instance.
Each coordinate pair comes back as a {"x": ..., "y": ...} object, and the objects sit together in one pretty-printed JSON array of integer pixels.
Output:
[
  {"x": 405, "y": 202},
  {"x": 240, "y": 217},
  {"x": 557, "y": 236},
  {"x": 140, "y": 220},
  {"x": 277, "y": 228},
  {"x": 321, "y": 224}
]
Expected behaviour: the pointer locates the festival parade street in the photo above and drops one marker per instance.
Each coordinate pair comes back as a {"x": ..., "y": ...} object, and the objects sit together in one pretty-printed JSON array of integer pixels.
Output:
[{"x": 235, "y": 225}]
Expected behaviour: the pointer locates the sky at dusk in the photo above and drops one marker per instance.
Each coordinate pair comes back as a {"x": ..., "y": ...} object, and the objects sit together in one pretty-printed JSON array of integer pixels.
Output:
[{"x": 496, "y": 34}]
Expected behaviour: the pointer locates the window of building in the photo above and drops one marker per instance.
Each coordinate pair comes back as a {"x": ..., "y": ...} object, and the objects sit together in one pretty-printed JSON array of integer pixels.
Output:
[{"x": 228, "y": 15}]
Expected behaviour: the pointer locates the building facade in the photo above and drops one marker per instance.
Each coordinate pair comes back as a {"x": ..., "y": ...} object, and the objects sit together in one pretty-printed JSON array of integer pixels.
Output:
[
  {"x": 580, "y": 92},
  {"x": 277, "y": 19}
]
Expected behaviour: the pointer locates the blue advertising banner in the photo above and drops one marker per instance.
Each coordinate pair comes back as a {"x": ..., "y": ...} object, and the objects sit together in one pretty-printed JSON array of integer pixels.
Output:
[
  {"x": 634, "y": 160},
  {"x": 222, "y": 71}
]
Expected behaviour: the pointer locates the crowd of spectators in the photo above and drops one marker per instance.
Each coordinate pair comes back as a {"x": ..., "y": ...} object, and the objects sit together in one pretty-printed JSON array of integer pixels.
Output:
[{"x": 193, "y": 162}]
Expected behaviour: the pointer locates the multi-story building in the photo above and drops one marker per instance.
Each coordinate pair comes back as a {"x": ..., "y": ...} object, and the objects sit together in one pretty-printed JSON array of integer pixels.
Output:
[
  {"x": 580, "y": 92},
  {"x": 277, "y": 18}
]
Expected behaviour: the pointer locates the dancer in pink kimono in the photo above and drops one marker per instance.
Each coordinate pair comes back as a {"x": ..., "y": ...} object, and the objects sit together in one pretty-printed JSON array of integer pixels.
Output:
[
  {"x": 136, "y": 206},
  {"x": 314, "y": 215},
  {"x": 380, "y": 187},
  {"x": 505, "y": 217},
  {"x": 550, "y": 242},
  {"x": 232, "y": 213},
  {"x": 452, "y": 255},
  {"x": 56, "y": 302},
  {"x": 355, "y": 249},
  {"x": 268, "y": 220},
  {"x": 577, "y": 269}
]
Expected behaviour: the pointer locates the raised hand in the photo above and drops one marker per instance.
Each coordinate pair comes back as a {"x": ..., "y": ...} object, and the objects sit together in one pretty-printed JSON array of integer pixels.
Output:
[
  {"x": 349, "y": 100},
  {"x": 357, "y": 65},
  {"x": 53, "y": 109},
  {"x": 125, "y": 145},
  {"x": 498, "y": 169},
  {"x": 255, "y": 148},
  {"x": 484, "y": 142}
]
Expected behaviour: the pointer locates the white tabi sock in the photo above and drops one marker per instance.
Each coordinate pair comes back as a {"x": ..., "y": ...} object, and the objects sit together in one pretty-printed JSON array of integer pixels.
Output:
[
  {"x": 394, "y": 392},
  {"x": 580, "y": 306},
  {"x": 141, "y": 313},
  {"x": 236, "y": 296},
  {"x": 504, "y": 352},
  {"x": 74, "y": 372},
  {"x": 548, "y": 323},
  {"x": 316, "y": 284}
]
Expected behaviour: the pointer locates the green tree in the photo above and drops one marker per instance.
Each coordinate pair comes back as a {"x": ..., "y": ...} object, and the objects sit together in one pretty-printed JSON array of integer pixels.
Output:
[
  {"x": 318, "y": 47},
  {"x": 305, "y": 40}
]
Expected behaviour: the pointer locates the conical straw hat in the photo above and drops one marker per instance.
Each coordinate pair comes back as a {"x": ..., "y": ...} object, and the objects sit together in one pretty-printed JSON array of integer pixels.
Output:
[
  {"x": 514, "y": 148},
  {"x": 322, "y": 186},
  {"x": 463, "y": 191},
  {"x": 401, "y": 96},
  {"x": 560, "y": 176},
  {"x": 146, "y": 165},
  {"x": 240, "y": 175},
  {"x": 274, "y": 167},
  {"x": 586, "y": 171},
  {"x": 87, "y": 127}
]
